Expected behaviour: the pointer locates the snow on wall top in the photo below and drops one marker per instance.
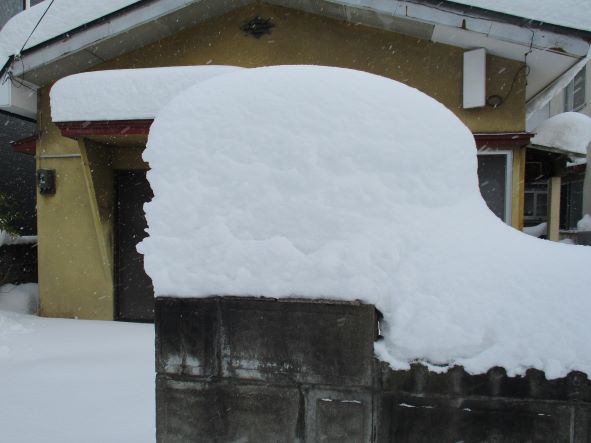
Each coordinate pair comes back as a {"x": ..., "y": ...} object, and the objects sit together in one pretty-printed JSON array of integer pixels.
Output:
[
  {"x": 125, "y": 94},
  {"x": 326, "y": 182},
  {"x": 574, "y": 14},
  {"x": 63, "y": 16},
  {"x": 569, "y": 131}
]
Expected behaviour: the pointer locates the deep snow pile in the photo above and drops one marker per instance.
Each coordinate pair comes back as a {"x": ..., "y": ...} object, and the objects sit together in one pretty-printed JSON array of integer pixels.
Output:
[
  {"x": 124, "y": 94},
  {"x": 75, "y": 381},
  {"x": 325, "y": 182},
  {"x": 569, "y": 131},
  {"x": 23, "y": 299}
]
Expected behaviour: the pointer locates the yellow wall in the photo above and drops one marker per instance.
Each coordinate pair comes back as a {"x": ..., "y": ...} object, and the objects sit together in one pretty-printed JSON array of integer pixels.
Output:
[
  {"x": 74, "y": 280},
  {"x": 301, "y": 38},
  {"x": 76, "y": 225}
]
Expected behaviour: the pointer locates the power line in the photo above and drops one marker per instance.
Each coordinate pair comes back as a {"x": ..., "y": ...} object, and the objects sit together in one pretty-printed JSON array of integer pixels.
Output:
[{"x": 38, "y": 22}]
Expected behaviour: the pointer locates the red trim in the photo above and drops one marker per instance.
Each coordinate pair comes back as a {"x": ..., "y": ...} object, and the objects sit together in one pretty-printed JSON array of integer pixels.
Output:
[
  {"x": 142, "y": 127},
  {"x": 107, "y": 127},
  {"x": 502, "y": 139},
  {"x": 26, "y": 145},
  {"x": 577, "y": 169}
]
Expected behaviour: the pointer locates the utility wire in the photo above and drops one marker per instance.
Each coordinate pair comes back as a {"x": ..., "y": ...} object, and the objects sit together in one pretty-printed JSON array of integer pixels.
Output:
[{"x": 38, "y": 23}]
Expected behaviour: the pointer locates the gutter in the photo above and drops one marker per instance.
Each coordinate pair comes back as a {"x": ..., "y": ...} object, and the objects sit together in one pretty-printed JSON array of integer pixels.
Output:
[{"x": 512, "y": 19}]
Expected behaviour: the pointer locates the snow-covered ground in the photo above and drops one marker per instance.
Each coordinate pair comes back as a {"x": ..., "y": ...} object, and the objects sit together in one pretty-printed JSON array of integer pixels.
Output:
[{"x": 75, "y": 381}]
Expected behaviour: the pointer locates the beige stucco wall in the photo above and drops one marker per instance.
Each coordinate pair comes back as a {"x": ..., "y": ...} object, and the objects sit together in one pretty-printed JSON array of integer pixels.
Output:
[
  {"x": 301, "y": 38},
  {"x": 74, "y": 280},
  {"x": 76, "y": 225}
]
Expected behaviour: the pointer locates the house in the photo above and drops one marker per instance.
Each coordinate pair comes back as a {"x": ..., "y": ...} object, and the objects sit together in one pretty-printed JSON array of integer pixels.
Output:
[
  {"x": 487, "y": 66},
  {"x": 17, "y": 171},
  {"x": 574, "y": 97}
]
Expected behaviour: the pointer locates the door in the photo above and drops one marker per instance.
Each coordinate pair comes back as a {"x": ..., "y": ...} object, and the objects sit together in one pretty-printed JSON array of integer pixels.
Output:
[{"x": 134, "y": 290}]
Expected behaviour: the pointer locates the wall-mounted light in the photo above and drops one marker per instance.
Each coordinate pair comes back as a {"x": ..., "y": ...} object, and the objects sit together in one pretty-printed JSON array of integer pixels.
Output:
[{"x": 46, "y": 181}]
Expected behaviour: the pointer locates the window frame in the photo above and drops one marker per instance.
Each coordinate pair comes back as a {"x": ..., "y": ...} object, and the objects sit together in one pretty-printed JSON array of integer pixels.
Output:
[
  {"x": 508, "y": 153},
  {"x": 569, "y": 92}
]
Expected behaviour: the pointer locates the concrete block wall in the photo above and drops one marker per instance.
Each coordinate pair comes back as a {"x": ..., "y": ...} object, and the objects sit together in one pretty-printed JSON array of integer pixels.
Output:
[{"x": 235, "y": 369}]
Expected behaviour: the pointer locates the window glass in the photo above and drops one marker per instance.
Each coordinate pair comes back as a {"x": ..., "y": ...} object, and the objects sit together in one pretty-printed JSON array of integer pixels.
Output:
[
  {"x": 492, "y": 179},
  {"x": 574, "y": 93},
  {"x": 535, "y": 209}
]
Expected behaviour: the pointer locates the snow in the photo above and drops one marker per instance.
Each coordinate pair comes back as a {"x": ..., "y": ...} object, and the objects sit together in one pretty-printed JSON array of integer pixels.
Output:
[
  {"x": 569, "y": 131},
  {"x": 584, "y": 224},
  {"x": 23, "y": 299},
  {"x": 574, "y": 14},
  {"x": 73, "y": 380},
  {"x": 124, "y": 94},
  {"x": 325, "y": 183},
  {"x": 63, "y": 16},
  {"x": 9, "y": 239},
  {"x": 537, "y": 230}
]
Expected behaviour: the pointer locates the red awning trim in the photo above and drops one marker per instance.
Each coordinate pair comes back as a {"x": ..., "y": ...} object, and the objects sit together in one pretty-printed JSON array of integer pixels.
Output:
[
  {"x": 108, "y": 127},
  {"x": 502, "y": 139},
  {"x": 26, "y": 145},
  {"x": 142, "y": 127}
]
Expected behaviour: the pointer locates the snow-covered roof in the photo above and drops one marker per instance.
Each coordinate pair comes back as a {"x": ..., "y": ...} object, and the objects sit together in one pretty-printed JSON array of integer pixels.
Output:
[
  {"x": 119, "y": 26},
  {"x": 574, "y": 14},
  {"x": 61, "y": 17},
  {"x": 569, "y": 132},
  {"x": 124, "y": 94},
  {"x": 325, "y": 182}
]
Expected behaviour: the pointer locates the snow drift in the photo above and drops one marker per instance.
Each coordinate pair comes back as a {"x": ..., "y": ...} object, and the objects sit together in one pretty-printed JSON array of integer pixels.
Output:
[
  {"x": 569, "y": 131},
  {"x": 124, "y": 94},
  {"x": 325, "y": 182}
]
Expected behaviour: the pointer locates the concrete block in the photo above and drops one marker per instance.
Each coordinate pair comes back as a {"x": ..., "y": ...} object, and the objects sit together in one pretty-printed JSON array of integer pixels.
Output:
[
  {"x": 298, "y": 341},
  {"x": 422, "y": 420},
  {"x": 187, "y": 336},
  {"x": 339, "y": 416},
  {"x": 192, "y": 411}
]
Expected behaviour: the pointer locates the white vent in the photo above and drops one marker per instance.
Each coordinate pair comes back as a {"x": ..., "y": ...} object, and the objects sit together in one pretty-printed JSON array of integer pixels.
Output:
[{"x": 474, "y": 78}]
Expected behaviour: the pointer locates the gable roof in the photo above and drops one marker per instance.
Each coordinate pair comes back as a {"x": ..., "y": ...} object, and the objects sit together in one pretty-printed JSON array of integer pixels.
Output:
[
  {"x": 50, "y": 19},
  {"x": 73, "y": 36}
]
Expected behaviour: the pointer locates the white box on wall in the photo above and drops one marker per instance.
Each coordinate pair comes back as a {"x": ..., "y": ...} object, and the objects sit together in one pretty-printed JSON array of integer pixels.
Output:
[{"x": 474, "y": 78}]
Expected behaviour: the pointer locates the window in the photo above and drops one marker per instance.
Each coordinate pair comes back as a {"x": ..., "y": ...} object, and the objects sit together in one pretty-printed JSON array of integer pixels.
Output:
[
  {"x": 574, "y": 93},
  {"x": 535, "y": 209},
  {"x": 571, "y": 202},
  {"x": 494, "y": 179}
]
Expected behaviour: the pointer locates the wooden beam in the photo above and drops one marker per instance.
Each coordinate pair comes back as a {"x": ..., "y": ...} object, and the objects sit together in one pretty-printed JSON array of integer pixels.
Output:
[
  {"x": 107, "y": 127},
  {"x": 554, "y": 208},
  {"x": 502, "y": 139},
  {"x": 26, "y": 145}
]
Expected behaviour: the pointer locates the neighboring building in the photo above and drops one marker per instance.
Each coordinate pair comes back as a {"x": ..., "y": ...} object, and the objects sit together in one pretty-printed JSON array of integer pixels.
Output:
[
  {"x": 574, "y": 97},
  {"x": 17, "y": 171},
  {"x": 472, "y": 60}
]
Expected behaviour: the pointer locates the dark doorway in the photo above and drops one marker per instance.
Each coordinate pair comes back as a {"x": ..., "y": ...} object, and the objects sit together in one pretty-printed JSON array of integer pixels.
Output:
[{"x": 134, "y": 291}]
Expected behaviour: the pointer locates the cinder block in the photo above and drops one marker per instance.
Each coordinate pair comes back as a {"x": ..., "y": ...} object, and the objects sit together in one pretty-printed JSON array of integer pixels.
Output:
[
  {"x": 191, "y": 411},
  {"x": 187, "y": 336},
  {"x": 298, "y": 341},
  {"x": 427, "y": 420},
  {"x": 339, "y": 416}
]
